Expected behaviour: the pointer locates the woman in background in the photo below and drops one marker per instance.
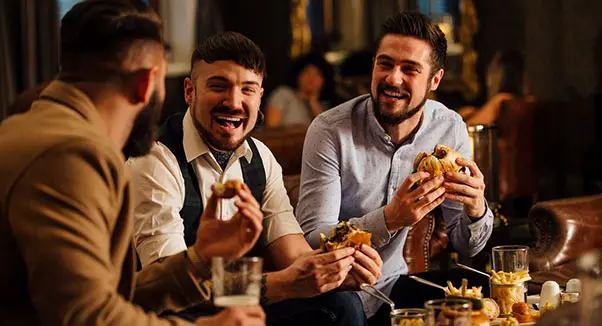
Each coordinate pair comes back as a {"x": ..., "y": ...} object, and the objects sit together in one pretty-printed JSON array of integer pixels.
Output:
[
  {"x": 505, "y": 81},
  {"x": 309, "y": 92}
]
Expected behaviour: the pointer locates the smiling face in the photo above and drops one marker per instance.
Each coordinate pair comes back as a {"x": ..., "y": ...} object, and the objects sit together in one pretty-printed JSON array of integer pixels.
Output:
[
  {"x": 224, "y": 100},
  {"x": 401, "y": 78}
]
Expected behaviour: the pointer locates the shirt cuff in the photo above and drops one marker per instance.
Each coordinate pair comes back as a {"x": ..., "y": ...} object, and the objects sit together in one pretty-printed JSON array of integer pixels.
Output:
[{"x": 374, "y": 222}]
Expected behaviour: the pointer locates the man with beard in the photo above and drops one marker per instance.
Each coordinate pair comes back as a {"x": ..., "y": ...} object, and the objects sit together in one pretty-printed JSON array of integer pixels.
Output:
[
  {"x": 65, "y": 218},
  {"x": 358, "y": 162},
  {"x": 210, "y": 143}
]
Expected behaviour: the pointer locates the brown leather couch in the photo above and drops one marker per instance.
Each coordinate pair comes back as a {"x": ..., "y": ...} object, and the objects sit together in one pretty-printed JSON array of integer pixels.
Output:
[
  {"x": 425, "y": 240},
  {"x": 286, "y": 143},
  {"x": 563, "y": 230}
]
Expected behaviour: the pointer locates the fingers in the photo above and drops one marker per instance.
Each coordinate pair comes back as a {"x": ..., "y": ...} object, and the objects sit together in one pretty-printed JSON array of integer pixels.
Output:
[
  {"x": 364, "y": 275},
  {"x": 412, "y": 179},
  {"x": 210, "y": 211},
  {"x": 429, "y": 207},
  {"x": 461, "y": 189},
  {"x": 368, "y": 264},
  {"x": 426, "y": 188},
  {"x": 246, "y": 196},
  {"x": 455, "y": 177},
  {"x": 335, "y": 267},
  {"x": 253, "y": 311},
  {"x": 251, "y": 225},
  {"x": 472, "y": 166},
  {"x": 329, "y": 257},
  {"x": 332, "y": 281},
  {"x": 248, "y": 207}
]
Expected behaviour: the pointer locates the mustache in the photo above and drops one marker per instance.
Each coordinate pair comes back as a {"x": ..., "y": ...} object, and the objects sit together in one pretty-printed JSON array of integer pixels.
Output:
[
  {"x": 385, "y": 87},
  {"x": 224, "y": 109}
]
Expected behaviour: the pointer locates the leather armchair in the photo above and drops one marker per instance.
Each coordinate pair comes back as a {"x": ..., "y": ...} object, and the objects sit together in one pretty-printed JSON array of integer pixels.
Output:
[{"x": 563, "y": 230}]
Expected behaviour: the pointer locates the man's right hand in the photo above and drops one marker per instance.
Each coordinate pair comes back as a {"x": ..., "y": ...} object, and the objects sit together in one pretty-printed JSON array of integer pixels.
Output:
[
  {"x": 315, "y": 273},
  {"x": 410, "y": 206},
  {"x": 232, "y": 238},
  {"x": 235, "y": 316}
]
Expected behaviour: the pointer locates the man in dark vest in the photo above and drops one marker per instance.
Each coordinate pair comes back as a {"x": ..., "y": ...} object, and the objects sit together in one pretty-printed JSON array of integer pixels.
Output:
[{"x": 210, "y": 143}]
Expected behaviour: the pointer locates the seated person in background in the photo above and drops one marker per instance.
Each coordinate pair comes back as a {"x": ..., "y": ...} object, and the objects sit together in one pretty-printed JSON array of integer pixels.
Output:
[
  {"x": 506, "y": 80},
  {"x": 210, "y": 143},
  {"x": 358, "y": 165},
  {"x": 354, "y": 72},
  {"x": 309, "y": 92},
  {"x": 66, "y": 222}
]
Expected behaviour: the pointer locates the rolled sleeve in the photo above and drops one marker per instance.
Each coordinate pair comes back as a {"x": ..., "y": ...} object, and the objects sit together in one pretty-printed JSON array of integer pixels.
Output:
[
  {"x": 158, "y": 195},
  {"x": 279, "y": 219}
]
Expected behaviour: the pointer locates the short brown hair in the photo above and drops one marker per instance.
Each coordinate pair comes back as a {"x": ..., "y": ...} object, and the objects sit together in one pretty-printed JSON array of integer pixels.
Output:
[
  {"x": 230, "y": 46},
  {"x": 97, "y": 34},
  {"x": 418, "y": 25}
]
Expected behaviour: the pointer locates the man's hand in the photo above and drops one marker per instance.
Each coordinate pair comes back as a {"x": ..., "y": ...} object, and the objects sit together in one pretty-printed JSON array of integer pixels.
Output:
[
  {"x": 410, "y": 206},
  {"x": 316, "y": 272},
  {"x": 235, "y": 316},
  {"x": 367, "y": 268},
  {"x": 232, "y": 238},
  {"x": 467, "y": 189}
]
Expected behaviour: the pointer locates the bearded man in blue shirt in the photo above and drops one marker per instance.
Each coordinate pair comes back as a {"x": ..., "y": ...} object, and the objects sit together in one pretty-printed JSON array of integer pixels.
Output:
[{"x": 358, "y": 163}]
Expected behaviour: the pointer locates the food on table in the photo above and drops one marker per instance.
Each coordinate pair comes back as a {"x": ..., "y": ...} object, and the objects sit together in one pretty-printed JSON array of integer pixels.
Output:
[
  {"x": 410, "y": 322},
  {"x": 463, "y": 291},
  {"x": 510, "y": 321},
  {"x": 491, "y": 308},
  {"x": 450, "y": 316},
  {"x": 443, "y": 159},
  {"x": 507, "y": 288},
  {"x": 523, "y": 313},
  {"x": 547, "y": 307},
  {"x": 227, "y": 189},
  {"x": 478, "y": 316},
  {"x": 344, "y": 235}
]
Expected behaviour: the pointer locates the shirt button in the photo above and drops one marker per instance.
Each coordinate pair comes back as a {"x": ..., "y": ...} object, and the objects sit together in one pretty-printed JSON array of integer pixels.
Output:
[{"x": 387, "y": 138}]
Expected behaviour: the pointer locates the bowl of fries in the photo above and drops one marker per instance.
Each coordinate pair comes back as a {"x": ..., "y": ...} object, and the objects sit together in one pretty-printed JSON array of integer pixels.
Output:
[
  {"x": 408, "y": 317},
  {"x": 508, "y": 288},
  {"x": 464, "y": 291}
]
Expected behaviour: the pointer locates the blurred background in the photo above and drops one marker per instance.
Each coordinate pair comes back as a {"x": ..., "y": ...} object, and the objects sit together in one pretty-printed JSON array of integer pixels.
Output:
[{"x": 531, "y": 68}]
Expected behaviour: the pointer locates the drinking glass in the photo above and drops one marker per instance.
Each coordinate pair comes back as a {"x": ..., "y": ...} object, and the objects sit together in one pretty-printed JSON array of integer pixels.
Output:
[
  {"x": 236, "y": 282},
  {"x": 510, "y": 258},
  {"x": 408, "y": 317},
  {"x": 457, "y": 312}
]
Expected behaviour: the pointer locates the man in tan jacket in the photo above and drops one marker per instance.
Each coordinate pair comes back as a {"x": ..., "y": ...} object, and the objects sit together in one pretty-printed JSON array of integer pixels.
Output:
[{"x": 65, "y": 206}]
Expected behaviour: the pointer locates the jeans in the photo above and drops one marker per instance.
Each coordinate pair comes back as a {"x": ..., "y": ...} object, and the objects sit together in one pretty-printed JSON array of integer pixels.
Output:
[
  {"x": 408, "y": 293},
  {"x": 332, "y": 308}
]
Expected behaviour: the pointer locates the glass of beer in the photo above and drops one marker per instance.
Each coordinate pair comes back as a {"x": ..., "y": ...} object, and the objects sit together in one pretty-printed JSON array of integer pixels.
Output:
[
  {"x": 457, "y": 312},
  {"x": 236, "y": 282},
  {"x": 510, "y": 258}
]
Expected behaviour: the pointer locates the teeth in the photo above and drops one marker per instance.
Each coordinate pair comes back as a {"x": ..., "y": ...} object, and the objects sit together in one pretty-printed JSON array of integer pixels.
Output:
[
  {"x": 229, "y": 118},
  {"x": 396, "y": 94}
]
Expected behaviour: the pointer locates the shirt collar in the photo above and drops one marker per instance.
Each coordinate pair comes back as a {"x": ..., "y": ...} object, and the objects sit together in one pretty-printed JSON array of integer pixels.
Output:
[
  {"x": 379, "y": 132},
  {"x": 195, "y": 146}
]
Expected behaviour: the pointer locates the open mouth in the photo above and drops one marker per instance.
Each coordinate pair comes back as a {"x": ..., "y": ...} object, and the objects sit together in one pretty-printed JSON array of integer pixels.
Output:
[
  {"x": 395, "y": 95},
  {"x": 229, "y": 122}
]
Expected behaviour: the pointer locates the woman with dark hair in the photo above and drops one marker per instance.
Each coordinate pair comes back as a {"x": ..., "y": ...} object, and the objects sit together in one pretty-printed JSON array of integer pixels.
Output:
[
  {"x": 308, "y": 92},
  {"x": 505, "y": 81}
]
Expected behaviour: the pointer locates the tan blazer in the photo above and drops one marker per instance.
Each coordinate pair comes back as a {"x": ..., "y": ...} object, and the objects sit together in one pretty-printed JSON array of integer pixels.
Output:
[{"x": 66, "y": 254}]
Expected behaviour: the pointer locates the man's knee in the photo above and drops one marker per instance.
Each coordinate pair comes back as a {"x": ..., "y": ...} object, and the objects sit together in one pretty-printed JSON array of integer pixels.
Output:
[{"x": 345, "y": 306}]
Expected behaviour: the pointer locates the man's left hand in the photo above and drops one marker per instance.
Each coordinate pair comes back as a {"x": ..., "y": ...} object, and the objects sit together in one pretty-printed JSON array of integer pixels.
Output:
[
  {"x": 467, "y": 189},
  {"x": 367, "y": 268}
]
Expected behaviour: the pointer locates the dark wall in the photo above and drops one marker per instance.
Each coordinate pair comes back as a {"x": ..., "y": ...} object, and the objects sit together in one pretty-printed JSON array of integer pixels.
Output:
[{"x": 267, "y": 23}]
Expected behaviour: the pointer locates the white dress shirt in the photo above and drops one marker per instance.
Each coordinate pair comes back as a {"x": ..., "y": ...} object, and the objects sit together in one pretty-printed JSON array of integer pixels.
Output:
[{"x": 158, "y": 194}]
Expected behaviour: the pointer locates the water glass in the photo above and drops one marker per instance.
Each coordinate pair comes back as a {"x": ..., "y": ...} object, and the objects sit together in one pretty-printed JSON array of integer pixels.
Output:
[
  {"x": 510, "y": 258},
  {"x": 440, "y": 312},
  {"x": 236, "y": 282}
]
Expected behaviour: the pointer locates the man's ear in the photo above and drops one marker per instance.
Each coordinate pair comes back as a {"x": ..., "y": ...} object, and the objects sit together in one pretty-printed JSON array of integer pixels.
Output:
[
  {"x": 188, "y": 91},
  {"x": 436, "y": 80},
  {"x": 145, "y": 80}
]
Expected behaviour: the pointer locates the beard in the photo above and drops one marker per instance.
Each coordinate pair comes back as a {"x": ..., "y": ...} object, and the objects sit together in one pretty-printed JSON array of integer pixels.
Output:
[
  {"x": 395, "y": 119},
  {"x": 145, "y": 129},
  {"x": 216, "y": 142}
]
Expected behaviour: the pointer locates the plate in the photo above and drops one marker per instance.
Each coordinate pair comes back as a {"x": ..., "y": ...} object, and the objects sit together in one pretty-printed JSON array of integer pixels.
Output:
[{"x": 498, "y": 322}]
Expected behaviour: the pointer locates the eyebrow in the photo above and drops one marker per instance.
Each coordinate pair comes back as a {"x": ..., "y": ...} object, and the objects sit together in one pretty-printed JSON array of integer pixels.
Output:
[
  {"x": 226, "y": 80},
  {"x": 386, "y": 57}
]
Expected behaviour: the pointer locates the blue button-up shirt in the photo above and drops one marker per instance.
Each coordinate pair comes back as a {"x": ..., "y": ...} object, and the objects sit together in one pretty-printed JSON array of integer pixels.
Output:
[{"x": 351, "y": 170}]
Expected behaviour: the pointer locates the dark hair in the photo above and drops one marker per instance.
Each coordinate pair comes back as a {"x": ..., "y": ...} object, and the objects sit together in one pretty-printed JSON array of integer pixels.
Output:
[
  {"x": 317, "y": 60},
  {"x": 230, "y": 46},
  {"x": 420, "y": 26},
  {"x": 511, "y": 67},
  {"x": 96, "y": 34}
]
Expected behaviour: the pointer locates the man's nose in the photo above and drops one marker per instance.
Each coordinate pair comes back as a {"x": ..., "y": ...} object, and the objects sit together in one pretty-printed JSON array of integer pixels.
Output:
[
  {"x": 395, "y": 77},
  {"x": 234, "y": 99}
]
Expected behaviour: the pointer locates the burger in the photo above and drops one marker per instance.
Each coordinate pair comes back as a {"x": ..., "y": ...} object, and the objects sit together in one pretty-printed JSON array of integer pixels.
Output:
[
  {"x": 443, "y": 159},
  {"x": 227, "y": 189},
  {"x": 344, "y": 235}
]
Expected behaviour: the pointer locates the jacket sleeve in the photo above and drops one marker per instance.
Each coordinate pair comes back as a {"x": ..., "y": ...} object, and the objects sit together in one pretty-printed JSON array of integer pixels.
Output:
[{"x": 66, "y": 214}]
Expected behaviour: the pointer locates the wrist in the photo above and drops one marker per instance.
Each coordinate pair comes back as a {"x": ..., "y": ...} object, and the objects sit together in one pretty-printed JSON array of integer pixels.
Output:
[
  {"x": 277, "y": 286},
  {"x": 478, "y": 212},
  {"x": 197, "y": 266},
  {"x": 389, "y": 223}
]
